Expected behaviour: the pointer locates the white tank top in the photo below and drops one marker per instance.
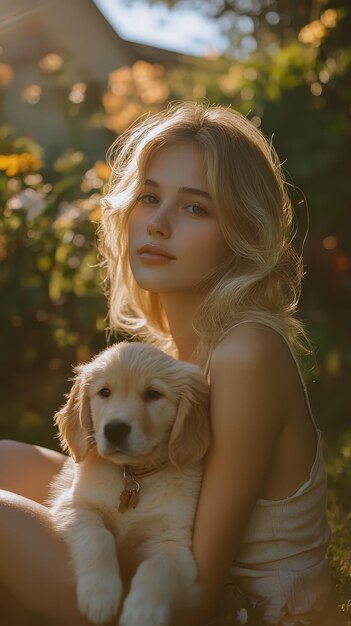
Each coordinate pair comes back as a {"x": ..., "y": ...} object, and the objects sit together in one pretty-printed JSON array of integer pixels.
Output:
[{"x": 281, "y": 564}]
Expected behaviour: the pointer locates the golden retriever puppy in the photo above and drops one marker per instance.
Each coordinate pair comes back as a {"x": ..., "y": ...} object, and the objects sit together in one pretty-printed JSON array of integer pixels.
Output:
[{"x": 136, "y": 426}]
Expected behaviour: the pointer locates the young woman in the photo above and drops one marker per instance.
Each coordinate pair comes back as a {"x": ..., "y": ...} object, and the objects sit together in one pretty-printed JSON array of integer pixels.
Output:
[{"x": 197, "y": 237}]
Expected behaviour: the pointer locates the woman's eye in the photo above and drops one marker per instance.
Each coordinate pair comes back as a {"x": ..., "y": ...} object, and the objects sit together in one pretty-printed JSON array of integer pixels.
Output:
[
  {"x": 196, "y": 210},
  {"x": 148, "y": 198},
  {"x": 152, "y": 394},
  {"x": 105, "y": 392}
]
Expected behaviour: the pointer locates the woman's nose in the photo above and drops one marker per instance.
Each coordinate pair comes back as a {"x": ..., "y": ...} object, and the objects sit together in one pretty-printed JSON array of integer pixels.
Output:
[{"x": 159, "y": 224}]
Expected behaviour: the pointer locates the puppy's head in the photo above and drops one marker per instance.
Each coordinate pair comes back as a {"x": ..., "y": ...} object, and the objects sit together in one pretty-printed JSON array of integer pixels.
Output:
[{"x": 134, "y": 403}]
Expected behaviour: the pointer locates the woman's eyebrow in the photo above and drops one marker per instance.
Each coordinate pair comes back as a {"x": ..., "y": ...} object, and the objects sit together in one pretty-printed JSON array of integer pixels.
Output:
[
  {"x": 150, "y": 182},
  {"x": 198, "y": 192}
]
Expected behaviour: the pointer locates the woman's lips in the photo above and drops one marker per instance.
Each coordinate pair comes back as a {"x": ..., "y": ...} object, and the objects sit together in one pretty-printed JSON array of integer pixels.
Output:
[{"x": 154, "y": 255}]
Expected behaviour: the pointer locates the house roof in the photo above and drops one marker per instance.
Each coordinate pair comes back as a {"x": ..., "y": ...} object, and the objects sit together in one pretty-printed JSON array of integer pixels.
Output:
[{"x": 78, "y": 30}]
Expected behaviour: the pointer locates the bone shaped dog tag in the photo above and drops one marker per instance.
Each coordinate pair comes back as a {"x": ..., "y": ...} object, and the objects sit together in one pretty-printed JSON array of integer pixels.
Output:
[
  {"x": 133, "y": 500},
  {"x": 124, "y": 501}
]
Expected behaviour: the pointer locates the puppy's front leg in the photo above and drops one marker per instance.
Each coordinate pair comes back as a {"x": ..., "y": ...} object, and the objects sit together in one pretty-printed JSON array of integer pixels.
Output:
[
  {"x": 163, "y": 582},
  {"x": 93, "y": 551}
]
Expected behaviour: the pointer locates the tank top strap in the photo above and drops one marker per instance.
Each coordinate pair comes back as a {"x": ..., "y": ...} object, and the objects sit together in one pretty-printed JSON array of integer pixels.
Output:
[{"x": 292, "y": 352}]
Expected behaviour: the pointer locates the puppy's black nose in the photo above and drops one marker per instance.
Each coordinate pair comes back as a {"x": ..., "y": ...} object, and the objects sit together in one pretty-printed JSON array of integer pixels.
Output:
[{"x": 116, "y": 431}]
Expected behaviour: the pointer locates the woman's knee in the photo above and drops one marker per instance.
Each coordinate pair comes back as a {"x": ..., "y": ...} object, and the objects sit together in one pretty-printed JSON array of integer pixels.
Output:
[
  {"x": 10, "y": 454},
  {"x": 26, "y": 469},
  {"x": 7, "y": 447}
]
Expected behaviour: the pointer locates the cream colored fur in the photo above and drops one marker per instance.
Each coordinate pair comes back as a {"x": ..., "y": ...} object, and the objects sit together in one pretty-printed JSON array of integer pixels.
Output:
[{"x": 137, "y": 565}]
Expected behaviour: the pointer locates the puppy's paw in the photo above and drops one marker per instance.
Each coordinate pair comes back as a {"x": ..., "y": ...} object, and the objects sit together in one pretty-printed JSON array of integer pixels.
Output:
[
  {"x": 99, "y": 596},
  {"x": 142, "y": 611}
]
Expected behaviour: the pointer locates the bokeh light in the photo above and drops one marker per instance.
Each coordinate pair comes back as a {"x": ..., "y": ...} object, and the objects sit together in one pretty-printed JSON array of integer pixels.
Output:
[
  {"x": 31, "y": 94},
  {"x": 51, "y": 63},
  {"x": 6, "y": 74}
]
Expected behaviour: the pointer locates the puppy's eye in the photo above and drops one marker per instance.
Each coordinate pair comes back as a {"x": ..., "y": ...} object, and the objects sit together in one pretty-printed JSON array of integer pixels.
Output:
[
  {"x": 105, "y": 392},
  {"x": 152, "y": 394}
]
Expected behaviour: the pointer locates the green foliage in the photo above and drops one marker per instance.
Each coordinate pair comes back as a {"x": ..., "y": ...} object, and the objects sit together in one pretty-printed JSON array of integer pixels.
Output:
[{"x": 53, "y": 309}]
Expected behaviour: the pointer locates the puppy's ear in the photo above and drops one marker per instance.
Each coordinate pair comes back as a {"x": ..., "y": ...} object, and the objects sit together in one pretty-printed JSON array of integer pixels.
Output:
[
  {"x": 190, "y": 435},
  {"x": 73, "y": 420}
]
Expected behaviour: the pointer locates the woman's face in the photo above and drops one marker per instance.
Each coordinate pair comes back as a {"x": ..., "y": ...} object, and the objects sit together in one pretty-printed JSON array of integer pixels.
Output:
[{"x": 174, "y": 238}]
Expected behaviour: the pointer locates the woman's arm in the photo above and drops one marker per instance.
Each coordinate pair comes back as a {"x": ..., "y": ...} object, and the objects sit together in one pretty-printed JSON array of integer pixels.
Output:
[{"x": 247, "y": 417}]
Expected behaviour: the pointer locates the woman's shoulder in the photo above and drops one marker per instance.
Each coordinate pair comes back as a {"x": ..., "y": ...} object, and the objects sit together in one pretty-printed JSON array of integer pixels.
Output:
[
  {"x": 254, "y": 360},
  {"x": 251, "y": 342}
]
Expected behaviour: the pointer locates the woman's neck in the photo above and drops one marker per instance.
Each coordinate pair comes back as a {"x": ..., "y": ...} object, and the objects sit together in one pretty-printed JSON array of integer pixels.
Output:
[{"x": 180, "y": 312}]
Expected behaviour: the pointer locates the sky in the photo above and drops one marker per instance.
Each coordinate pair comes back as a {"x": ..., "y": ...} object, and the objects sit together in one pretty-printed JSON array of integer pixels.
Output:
[{"x": 179, "y": 29}]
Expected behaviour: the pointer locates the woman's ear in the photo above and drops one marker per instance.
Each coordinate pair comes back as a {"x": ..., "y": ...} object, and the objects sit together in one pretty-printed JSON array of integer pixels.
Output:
[
  {"x": 74, "y": 421},
  {"x": 190, "y": 435}
]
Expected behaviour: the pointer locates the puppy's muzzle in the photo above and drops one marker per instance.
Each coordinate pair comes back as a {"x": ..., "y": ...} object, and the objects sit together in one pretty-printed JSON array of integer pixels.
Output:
[{"x": 116, "y": 432}]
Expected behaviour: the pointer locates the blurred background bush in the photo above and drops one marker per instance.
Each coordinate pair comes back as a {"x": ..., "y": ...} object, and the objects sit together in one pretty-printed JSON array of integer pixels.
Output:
[{"x": 66, "y": 95}]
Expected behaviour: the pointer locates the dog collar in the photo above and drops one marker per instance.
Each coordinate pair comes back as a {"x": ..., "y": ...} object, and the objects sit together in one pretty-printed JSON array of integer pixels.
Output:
[
  {"x": 129, "y": 496},
  {"x": 145, "y": 472}
]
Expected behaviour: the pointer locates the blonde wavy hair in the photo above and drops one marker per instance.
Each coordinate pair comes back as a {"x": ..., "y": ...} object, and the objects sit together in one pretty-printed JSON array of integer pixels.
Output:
[{"x": 262, "y": 279}]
